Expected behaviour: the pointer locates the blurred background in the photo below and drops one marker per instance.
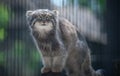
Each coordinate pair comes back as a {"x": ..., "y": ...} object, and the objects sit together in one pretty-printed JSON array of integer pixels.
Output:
[{"x": 97, "y": 20}]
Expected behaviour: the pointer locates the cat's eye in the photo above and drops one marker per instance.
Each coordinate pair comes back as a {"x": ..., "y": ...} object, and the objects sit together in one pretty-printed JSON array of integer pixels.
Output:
[
  {"x": 40, "y": 18},
  {"x": 47, "y": 18}
]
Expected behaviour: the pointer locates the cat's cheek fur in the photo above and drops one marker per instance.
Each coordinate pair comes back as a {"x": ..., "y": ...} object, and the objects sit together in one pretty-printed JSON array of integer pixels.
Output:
[{"x": 43, "y": 30}]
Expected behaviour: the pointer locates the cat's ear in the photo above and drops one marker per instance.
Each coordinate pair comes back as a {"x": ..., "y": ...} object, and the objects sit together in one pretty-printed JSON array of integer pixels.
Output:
[
  {"x": 28, "y": 13},
  {"x": 56, "y": 12}
]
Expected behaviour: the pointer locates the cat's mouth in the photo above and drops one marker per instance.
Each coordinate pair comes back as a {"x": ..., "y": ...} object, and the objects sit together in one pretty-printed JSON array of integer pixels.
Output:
[{"x": 41, "y": 23}]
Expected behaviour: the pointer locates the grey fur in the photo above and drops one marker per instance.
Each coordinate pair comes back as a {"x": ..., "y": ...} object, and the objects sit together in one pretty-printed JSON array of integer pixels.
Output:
[{"x": 61, "y": 47}]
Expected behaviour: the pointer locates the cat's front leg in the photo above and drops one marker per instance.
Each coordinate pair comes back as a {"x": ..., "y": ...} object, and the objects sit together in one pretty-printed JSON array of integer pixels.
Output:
[
  {"x": 46, "y": 64},
  {"x": 58, "y": 63}
]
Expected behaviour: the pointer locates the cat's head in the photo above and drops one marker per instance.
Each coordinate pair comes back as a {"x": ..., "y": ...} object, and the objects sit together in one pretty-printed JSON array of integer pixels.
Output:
[
  {"x": 42, "y": 20},
  {"x": 42, "y": 16}
]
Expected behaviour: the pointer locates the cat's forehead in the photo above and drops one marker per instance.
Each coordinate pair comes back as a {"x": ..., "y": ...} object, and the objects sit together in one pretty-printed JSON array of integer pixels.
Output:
[{"x": 43, "y": 12}]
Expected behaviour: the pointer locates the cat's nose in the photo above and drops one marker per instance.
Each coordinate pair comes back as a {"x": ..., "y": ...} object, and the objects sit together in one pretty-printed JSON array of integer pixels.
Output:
[{"x": 43, "y": 22}]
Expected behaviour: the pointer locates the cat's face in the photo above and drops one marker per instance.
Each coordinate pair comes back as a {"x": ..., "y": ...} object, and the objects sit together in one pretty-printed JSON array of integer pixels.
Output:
[
  {"x": 43, "y": 16},
  {"x": 42, "y": 20}
]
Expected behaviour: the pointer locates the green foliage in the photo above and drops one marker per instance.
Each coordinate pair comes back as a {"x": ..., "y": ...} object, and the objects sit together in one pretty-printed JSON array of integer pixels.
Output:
[
  {"x": 35, "y": 59},
  {"x": 19, "y": 48},
  {"x": 87, "y": 3},
  {"x": 102, "y": 4},
  {"x": 4, "y": 15},
  {"x": 2, "y": 34},
  {"x": 83, "y": 2},
  {"x": 80, "y": 2},
  {"x": 4, "y": 18},
  {"x": 2, "y": 58},
  {"x": 35, "y": 55},
  {"x": 19, "y": 51}
]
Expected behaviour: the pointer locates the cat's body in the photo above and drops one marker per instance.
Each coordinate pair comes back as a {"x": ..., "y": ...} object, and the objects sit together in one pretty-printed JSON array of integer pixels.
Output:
[{"x": 60, "y": 44}]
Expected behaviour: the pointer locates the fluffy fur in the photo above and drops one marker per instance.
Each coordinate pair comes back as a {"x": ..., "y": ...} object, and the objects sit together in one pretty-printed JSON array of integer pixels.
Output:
[
  {"x": 60, "y": 44},
  {"x": 43, "y": 30}
]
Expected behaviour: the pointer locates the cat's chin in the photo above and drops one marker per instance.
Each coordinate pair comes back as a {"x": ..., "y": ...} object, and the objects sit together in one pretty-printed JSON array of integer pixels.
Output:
[{"x": 43, "y": 24}]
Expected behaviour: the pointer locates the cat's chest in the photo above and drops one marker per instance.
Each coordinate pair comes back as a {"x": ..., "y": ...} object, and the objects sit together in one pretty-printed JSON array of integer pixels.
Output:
[{"x": 49, "y": 47}]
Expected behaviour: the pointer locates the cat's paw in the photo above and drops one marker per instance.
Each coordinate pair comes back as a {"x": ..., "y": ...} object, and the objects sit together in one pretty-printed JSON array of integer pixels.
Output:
[
  {"x": 57, "y": 69},
  {"x": 45, "y": 70}
]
